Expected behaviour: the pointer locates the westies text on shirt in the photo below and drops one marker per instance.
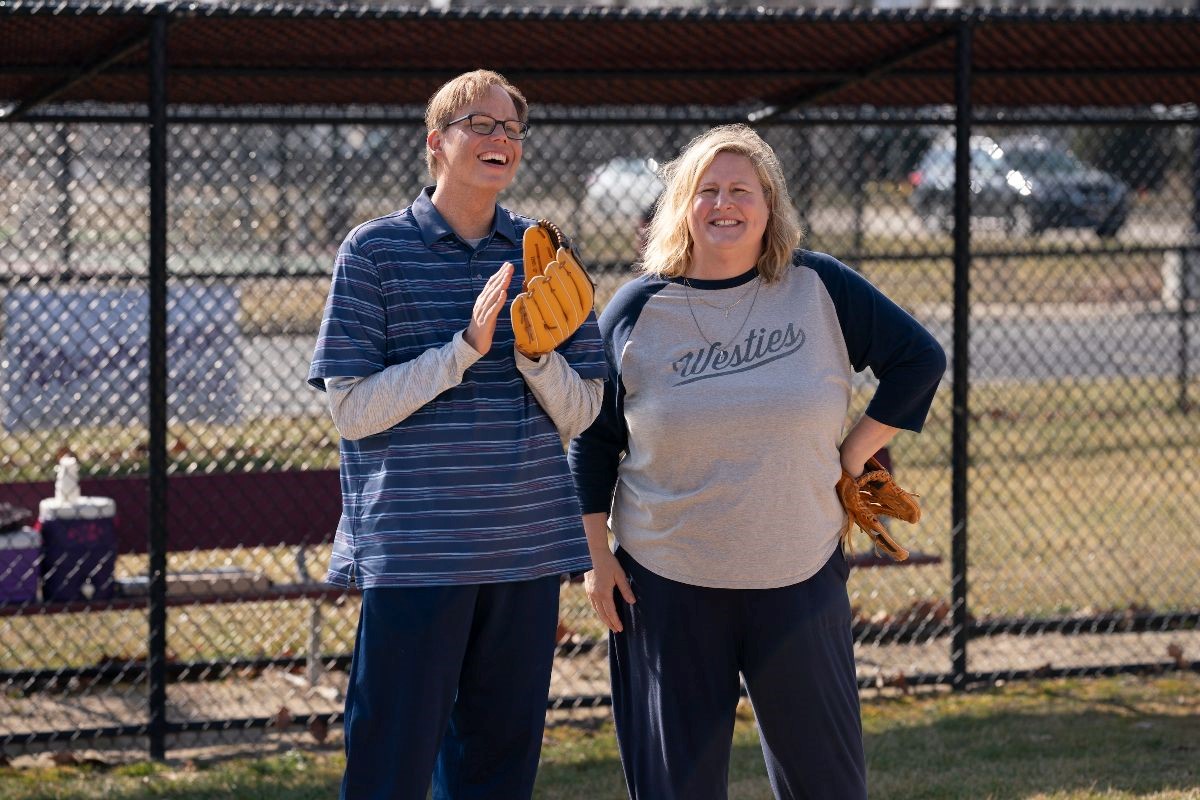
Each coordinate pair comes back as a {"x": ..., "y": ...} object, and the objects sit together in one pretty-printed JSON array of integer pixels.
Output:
[{"x": 758, "y": 348}]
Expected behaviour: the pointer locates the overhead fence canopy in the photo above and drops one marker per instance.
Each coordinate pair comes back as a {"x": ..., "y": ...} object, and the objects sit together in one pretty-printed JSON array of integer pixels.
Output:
[{"x": 763, "y": 61}]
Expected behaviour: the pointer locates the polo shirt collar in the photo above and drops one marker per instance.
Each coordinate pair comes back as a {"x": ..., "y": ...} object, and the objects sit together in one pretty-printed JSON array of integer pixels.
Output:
[{"x": 434, "y": 227}]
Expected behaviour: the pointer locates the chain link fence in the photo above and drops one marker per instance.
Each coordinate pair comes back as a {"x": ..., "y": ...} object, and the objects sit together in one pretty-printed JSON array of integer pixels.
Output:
[{"x": 1083, "y": 431}]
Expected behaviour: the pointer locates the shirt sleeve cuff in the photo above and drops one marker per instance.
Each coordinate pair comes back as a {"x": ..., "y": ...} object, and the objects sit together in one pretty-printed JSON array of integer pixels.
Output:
[
  {"x": 464, "y": 354},
  {"x": 528, "y": 366}
]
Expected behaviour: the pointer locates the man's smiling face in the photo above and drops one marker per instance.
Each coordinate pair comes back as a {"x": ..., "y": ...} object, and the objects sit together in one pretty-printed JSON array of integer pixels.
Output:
[{"x": 468, "y": 159}]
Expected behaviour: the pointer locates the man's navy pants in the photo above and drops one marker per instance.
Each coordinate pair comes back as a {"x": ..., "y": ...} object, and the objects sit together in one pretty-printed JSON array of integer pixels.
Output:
[
  {"x": 449, "y": 681},
  {"x": 675, "y": 684}
]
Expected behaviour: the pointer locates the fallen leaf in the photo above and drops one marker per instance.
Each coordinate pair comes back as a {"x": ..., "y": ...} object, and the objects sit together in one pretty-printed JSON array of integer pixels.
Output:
[
  {"x": 282, "y": 718},
  {"x": 1175, "y": 651}
]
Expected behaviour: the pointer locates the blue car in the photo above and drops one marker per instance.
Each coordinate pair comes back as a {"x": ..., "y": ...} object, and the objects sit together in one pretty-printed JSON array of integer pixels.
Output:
[{"x": 1028, "y": 183}]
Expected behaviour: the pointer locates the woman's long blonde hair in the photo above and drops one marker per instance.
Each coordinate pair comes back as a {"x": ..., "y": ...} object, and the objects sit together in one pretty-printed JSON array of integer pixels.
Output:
[{"x": 669, "y": 243}]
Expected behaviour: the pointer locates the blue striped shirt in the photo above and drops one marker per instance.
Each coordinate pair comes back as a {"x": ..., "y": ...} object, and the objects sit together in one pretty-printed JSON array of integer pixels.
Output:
[{"x": 474, "y": 486}]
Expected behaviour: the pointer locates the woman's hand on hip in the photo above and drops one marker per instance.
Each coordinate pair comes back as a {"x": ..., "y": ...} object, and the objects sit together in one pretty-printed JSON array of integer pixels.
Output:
[{"x": 605, "y": 575}]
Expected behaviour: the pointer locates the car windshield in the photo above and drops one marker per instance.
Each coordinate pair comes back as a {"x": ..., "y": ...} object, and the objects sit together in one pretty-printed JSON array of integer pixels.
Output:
[
  {"x": 1043, "y": 161},
  {"x": 983, "y": 163}
]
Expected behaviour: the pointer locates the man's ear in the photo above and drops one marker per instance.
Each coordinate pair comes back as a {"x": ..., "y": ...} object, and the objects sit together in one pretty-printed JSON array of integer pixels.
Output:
[{"x": 434, "y": 141}]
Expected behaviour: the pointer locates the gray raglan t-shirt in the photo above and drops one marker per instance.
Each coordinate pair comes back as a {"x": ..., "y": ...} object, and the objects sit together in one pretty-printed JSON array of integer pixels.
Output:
[{"x": 716, "y": 448}]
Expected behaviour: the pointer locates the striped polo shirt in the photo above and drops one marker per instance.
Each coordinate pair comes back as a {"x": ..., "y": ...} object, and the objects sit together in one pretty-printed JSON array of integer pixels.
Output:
[
  {"x": 716, "y": 449},
  {"x": 474, "y": 486}
]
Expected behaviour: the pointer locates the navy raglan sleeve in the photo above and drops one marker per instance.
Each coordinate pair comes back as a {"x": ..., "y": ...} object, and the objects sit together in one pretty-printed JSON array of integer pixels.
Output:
[
  {"x": 595, "y": 455},
  {"x": 900, "y": 352},
  {"x": 584, "y": 350}
]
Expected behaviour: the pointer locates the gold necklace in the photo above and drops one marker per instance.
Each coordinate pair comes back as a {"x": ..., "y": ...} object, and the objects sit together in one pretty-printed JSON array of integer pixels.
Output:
[
  {"x": 723, "y": 309},
  {"x": 687, "y": 296}
]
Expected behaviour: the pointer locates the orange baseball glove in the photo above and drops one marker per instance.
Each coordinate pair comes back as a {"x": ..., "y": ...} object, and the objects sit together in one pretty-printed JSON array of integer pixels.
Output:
[
  {"x": 869, "y": 495},
  {"x": 557, "y": 293}
]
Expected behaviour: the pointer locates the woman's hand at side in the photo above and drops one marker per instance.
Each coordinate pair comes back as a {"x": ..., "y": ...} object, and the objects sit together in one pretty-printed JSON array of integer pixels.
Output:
[{"x": 605, "y": 575}]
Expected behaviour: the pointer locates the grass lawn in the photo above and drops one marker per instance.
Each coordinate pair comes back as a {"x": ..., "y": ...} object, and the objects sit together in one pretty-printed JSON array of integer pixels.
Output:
[{"x": 1077, "y": 739}]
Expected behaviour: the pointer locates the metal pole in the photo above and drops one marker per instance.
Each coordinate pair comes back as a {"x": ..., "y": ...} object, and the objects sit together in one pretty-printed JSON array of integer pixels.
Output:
[
  {"x": 157, "y": 648},
  {"x": 1189, "y": 265},
  {"x": 283, "y": 214},
  {"x": 861, "y": 176},
  {"x": 65, "y": 157},
  {"x": 804, "y": 201},
  {"x": 962, "y": 317}
]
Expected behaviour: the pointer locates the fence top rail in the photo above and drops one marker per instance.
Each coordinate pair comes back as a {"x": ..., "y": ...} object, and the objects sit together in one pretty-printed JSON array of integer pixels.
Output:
[
  {"x": 248, "y": 54},
  {"x": 380, "y": 10}
]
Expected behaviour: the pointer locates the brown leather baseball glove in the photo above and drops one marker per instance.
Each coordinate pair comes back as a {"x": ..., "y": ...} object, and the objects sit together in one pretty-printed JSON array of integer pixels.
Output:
[
  {"x": 869, "y": 495},
  {"x": 557, "y": 293}
]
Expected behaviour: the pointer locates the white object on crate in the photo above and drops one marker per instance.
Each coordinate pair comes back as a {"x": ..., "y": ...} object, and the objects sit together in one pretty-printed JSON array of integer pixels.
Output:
[
  {"x": 79, "y": 540},
  {"x": 66, "y": 480}
]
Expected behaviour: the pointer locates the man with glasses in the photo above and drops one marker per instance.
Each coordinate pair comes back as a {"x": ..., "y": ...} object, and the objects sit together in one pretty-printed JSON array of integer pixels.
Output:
[{"x": 459, "y": 514}]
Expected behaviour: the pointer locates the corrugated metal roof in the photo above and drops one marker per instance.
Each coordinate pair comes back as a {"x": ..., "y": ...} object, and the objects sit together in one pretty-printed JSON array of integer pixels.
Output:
[{"x": 288, "y": 53}]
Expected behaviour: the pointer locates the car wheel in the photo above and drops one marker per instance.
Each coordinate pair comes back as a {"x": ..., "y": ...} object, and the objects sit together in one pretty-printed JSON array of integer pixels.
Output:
[
  {"x": 1110, "y": 227},
  {"x": 1020, "y": 222}
]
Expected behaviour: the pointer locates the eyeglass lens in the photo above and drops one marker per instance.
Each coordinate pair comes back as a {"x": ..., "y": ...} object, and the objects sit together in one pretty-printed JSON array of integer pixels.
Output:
[{"x": 484, "y": 125}]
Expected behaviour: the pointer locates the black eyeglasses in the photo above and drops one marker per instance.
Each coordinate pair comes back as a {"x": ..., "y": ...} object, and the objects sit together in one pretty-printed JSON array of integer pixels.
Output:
[{"x": 484, "y": 125}]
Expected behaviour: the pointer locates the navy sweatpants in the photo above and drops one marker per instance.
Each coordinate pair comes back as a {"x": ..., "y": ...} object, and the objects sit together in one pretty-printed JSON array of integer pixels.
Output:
[
  {"x": 675, "y": 683},
  {"x": 449, "y": 681}
]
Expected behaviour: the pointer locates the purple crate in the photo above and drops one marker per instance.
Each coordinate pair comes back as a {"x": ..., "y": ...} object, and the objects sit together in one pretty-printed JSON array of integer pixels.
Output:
[
  {"x": 20, "y": 557},
  {"x": 78, "y": 559}
]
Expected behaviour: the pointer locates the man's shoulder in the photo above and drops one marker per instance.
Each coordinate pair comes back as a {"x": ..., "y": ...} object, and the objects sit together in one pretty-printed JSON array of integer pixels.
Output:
[
  {"x": 520, "y": 221},
  {"x": 397, "y": 225}
]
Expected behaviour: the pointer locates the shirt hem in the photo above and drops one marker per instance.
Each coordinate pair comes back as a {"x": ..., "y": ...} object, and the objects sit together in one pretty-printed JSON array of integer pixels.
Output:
[
  {"x": 566, "y": 569},
  {"x": 708, "y": 582}
]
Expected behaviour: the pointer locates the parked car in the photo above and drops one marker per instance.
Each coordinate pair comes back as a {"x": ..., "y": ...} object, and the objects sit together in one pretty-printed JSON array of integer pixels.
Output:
[
  {"x": 1029, "y": 183},
  {"x": 622, "y": 187}
]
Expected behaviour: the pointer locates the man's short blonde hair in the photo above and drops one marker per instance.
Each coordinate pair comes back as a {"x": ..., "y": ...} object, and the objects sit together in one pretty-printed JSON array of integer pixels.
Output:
[
  {"x": 456, "y": 96},
  {"x": 669, "y": 242}
]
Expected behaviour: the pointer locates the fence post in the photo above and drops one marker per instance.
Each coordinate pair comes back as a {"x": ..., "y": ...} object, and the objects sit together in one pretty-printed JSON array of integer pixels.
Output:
[
  {"x": 962, "y": 316},
  {"x": 1189, "y": 257},
  {"x": 157, "y": 645},
  {"x": 65, "y": 158},
  {"x": 1189, "y": 262}
]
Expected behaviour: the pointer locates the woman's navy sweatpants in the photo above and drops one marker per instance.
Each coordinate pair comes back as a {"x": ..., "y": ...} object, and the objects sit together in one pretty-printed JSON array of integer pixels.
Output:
[{"x": 675, "y": 684}]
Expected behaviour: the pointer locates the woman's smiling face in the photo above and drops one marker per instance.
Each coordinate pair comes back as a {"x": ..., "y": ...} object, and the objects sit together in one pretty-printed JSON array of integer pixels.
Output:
[{"x": 729, "y": 210}]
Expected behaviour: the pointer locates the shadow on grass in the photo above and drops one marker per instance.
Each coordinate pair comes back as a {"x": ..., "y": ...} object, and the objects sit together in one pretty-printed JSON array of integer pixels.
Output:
[
  {"x": 970, "y": 756},
  {"x": 941, "y": 749},
  {"x": 1011, "y": 754}
]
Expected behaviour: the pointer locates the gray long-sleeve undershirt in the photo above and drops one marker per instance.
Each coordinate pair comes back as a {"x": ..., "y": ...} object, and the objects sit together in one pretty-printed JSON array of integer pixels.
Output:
[{"x": 362, "y": 407}]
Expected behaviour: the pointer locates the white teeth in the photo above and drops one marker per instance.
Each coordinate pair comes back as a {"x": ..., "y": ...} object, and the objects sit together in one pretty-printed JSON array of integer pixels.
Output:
[
  {"x": 496, "y": 158},
  {"x": 725, "y": 223}
]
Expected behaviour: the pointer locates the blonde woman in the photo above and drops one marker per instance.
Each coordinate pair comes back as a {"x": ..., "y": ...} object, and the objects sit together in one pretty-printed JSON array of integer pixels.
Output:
[{"x": 715, "y": 456}]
